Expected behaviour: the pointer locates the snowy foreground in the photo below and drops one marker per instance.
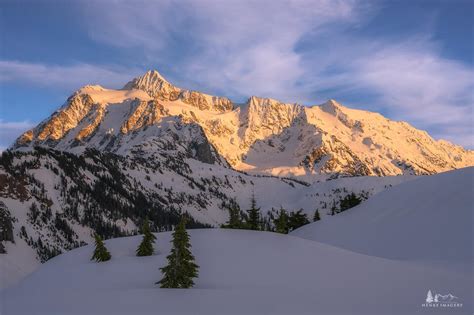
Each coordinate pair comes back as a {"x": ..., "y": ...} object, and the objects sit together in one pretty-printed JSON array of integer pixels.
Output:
[
  {"x": 242, "y": 272},
  {"x": 429, "y": 219},
  {"x": 379, "y": 258}
]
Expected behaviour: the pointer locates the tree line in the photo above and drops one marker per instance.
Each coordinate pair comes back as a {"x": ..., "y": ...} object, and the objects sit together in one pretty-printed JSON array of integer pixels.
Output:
[{"x": 181, "y": 267}]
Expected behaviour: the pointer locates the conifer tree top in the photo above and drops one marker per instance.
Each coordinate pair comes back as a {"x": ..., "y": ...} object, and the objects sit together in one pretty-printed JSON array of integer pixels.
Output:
[
  {"x": 181, "y": 268},
  {"x": 146, "y": 246},
  {"x": 100, "y": 253}
]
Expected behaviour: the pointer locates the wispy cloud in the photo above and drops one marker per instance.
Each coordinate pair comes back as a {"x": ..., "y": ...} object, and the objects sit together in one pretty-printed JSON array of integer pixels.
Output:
[
  {"x": 409, "y": 80},
  {"x": 414, "y": 83},
  {"x": 289, "y": 50},
  {"x": 60, "y": 76},
  {"x": 237, "y": 47},
  {"x": 292, "y": 50}
]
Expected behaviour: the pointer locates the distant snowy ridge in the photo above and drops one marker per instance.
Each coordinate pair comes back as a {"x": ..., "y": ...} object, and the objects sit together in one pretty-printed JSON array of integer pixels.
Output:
[{"x": 263, "y": 135}]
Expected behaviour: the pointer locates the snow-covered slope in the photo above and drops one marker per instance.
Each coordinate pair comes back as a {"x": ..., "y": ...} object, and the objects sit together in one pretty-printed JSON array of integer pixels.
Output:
[
  {"x": 263, "y": 135},
  {"x": 56, "y": 200},
  {"x": 241, "y": 272},
  {"x": 427, "y": 219}
]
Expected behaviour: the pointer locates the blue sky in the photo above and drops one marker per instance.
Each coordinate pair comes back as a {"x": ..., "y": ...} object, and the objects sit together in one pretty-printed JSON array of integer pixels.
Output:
[{"x": 409, "y": 60}]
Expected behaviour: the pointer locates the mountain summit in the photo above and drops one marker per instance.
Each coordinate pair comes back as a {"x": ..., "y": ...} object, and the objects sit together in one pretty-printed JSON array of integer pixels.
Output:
[
  {"x": 262, "y": 136},
  {"x": 153, "y": 83}
]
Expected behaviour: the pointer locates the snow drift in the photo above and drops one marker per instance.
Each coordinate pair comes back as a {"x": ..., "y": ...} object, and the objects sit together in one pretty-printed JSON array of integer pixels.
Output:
[
  {"x": 427, "y": 219},
  {"x": 241, "y": 272}
]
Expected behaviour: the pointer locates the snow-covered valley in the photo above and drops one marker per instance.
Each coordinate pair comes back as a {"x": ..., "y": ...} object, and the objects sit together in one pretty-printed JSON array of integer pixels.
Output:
[{"x": 112, "y": 195}]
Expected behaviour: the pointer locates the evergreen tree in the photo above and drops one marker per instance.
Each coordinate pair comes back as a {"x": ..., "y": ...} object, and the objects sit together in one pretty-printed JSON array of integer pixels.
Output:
[
  {"x": 181, "y": 268},
  {"x": 281, "y": 221},
  {"x": 146, "y": 246},
  {"x": 297, "y": 219},
  {"x": 235, "y": 217},
  {"x": 349, "y": 201},
  {"x": 316, "y": 217},
  {"x": 100, "y": 253},
  {"x": 253, "y": 215}
]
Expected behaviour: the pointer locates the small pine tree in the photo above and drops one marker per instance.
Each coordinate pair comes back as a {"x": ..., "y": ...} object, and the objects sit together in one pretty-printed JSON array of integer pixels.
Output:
[
  {"x": 281, "y": 221},
  {"x": 181, "y": 268},
  {"x": 146, "y": 246},
  {"x": 235, "y": 217},
  {"x": 349, "y": 201},
  {"x": 297, "y": 219},
  {"x": 100, "y": 253},
  {"x": 316, "y": 217},
  {"x": 253, "y": 218}
]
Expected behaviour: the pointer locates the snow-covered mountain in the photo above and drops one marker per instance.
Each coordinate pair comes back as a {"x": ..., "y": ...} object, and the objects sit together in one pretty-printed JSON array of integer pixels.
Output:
[
  {"x": 262, "y": 136},
  {"x": 107, "y": 159}
]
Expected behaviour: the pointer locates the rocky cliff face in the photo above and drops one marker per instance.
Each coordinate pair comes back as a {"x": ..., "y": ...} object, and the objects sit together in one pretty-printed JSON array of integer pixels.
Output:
[{"x": 263, "y": 135}]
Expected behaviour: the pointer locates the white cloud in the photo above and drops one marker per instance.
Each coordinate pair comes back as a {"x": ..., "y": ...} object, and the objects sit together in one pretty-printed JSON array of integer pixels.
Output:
[
  {"x": 237, "y": 47},
  {"x": 412, "y": 82},
  {"x": 418, "y": 83},
  {"x": 250, "y": 48},
  {"x": 69, "y": 77},
  {"x": 290, "y": 50}
]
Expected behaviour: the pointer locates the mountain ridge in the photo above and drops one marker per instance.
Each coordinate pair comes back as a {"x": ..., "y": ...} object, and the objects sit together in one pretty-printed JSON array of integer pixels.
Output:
[{"x": 308, "y": 141}]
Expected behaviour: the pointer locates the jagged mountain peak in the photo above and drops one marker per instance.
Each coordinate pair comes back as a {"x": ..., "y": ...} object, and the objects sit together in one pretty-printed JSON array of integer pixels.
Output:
[
  {"x": 151, "y": 76},
  {"x": 154, "y": 84},
  {"x": 331, "y": 106},
  {"x": 256, "y": 100},
  {"x": 154, "y": 74}
]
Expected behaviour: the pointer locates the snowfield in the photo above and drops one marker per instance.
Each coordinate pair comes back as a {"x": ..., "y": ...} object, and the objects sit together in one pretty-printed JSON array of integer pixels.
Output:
[
  {"x": 22, "y": 259},
  {"x": 380, "y": 257},
  {"x": 428, "y": 219},
  {"x": 242, "y": 272}
]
